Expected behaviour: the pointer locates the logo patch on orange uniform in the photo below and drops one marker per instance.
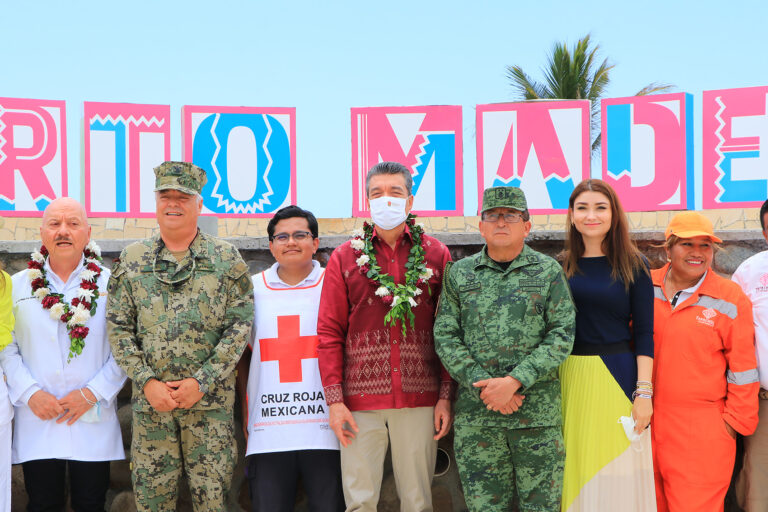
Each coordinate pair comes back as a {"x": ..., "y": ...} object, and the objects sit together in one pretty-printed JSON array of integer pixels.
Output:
[{"x": 708, "y": 314}]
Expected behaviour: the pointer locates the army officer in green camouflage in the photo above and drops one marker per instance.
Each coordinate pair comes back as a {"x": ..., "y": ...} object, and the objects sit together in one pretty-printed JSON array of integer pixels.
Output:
[
  {"x": 504, "y": 324},
  {"x": 180, "y": 308}
]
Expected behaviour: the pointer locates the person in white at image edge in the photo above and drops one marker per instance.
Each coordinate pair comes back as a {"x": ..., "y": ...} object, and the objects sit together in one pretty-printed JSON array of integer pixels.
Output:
[
  {"x": 752, "y": 277},
  {"x": 62, "y": 379}
]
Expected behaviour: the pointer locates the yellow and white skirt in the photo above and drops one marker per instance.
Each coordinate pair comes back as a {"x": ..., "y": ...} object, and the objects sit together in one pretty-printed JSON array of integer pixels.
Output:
[{"x": 603, "y": 470}]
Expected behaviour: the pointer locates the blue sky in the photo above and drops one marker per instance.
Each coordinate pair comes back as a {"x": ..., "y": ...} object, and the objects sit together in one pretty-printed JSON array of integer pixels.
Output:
[{"x": 325, "y": 57}]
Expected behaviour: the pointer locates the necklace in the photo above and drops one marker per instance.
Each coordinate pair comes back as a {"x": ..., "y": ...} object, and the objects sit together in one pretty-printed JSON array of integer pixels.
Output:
[
  {"x": 80, "y": 309},
  {"x": 399, "y": 297}
]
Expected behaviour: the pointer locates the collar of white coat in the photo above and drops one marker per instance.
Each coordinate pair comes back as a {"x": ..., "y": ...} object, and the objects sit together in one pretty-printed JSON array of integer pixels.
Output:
[{"x": 55, "y": 281}]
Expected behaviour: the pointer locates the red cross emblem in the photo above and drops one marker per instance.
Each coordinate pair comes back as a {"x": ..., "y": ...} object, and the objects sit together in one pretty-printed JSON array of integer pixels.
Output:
[{"x": 289, "y": 348}]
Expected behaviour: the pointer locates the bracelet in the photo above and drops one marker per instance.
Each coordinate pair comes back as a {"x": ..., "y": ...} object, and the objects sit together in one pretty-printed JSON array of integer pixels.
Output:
[
  {"x": 642, "y": 394},
  {"x": 90, "y": 402}
]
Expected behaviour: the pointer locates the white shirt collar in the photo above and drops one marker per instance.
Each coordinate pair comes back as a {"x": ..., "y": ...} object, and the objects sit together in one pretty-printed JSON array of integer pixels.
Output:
[
  {"x": 683, "y": 295},
  {"x": 54, "y": 279},
  {"x": 273, "y": 279}
]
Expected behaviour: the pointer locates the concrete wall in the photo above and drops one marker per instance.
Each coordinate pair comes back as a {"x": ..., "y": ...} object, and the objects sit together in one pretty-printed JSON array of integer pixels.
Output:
[{"x": 26, "y": 228}]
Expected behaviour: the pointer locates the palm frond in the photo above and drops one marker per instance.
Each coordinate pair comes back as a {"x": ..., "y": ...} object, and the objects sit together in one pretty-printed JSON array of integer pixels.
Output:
[
  {"x": 654, "y": 88},
  {"x": 527, "y": 88},
  {"x": 596, "y": 143},
  {"x": 574, "y": 74}
]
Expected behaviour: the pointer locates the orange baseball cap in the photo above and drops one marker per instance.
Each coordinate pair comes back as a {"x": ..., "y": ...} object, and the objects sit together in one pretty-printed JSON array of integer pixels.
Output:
[{"x": 689, "y": 225}]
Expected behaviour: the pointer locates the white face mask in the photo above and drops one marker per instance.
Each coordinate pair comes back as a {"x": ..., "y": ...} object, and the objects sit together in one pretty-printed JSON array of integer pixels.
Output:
[
  {"x": 628, "y": 422},
  {"x": 388, "y": 212}
]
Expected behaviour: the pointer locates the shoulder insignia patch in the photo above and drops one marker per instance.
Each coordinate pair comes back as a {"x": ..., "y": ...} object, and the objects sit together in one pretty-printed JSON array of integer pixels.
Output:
[{"x": 244, "y": 283}]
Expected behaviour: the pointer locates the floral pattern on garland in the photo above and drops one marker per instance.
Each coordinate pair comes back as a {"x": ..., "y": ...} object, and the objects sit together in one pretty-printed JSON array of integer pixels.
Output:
[
  {"x": 80, "y": 309},
  {"x": 400, "y": 298}
]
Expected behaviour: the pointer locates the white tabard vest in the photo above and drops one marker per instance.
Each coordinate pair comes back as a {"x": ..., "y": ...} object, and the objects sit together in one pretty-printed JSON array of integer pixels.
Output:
[{"x": 286, "y": 405}]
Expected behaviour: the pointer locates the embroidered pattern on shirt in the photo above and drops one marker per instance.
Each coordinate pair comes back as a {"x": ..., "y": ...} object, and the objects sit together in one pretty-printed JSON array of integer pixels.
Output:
[
  {"x": 418, "y": 363},
  {"x": 366, "y": 363}
]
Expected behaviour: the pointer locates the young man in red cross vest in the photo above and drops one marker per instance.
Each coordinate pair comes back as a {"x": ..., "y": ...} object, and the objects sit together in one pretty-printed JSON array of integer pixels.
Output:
[
  {"x": 287, "y": 428},
  {"x": 383, "y": 381}
]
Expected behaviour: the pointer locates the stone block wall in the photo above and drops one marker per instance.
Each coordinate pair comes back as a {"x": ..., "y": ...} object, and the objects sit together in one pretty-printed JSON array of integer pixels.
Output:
[{"x": 27, "y": 229}]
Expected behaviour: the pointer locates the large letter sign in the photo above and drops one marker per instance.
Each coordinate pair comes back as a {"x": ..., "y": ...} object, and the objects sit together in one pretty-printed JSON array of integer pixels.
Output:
[
  {"x": 33, "y": 155},
  {"x": 542, "y": 147},
  {"x": 734, "y": 161},
  {"x": 647, "y": 148},
  {"x": 427, "y": 140},
  {"x": 123, "y": 144},
  {"x": 249, "y": 155}
]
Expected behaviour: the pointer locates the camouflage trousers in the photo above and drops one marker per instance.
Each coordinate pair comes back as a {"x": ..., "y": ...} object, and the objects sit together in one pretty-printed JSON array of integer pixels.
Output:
[
  {"x": 496, "y": 463},
  {"x": 200, "y": 442}
]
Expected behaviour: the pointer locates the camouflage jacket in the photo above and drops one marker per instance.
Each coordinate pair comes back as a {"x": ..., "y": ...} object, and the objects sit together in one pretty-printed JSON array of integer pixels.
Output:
[
  {"x": 493, "y": 322},
  {"x": 170, "y": 320}
]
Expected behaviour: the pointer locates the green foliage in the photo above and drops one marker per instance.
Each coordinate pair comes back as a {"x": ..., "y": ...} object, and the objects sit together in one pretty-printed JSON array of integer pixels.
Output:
[{"x": 575, "y": 74}]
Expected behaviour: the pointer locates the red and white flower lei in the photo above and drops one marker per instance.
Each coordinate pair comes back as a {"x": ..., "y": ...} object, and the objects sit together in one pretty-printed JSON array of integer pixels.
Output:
[
  {"x": 81, "y": 308},
  {"x": 399, "y": 297}
]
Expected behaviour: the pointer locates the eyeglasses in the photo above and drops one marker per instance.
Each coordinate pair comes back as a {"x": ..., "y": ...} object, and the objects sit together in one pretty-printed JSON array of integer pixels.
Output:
[
  {"x": 509, "y": 217},
  {"x": 298, "y": 236}
]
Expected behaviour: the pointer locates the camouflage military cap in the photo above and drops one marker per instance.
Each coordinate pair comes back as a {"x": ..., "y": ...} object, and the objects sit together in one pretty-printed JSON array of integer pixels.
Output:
[
  {"x": 182, "y": 176},
  {"x": 504, "y": 197}
]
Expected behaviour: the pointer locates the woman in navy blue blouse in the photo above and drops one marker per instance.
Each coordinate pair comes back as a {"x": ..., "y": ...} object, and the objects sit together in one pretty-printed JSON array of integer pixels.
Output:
[{"x": 608, "y": 374}]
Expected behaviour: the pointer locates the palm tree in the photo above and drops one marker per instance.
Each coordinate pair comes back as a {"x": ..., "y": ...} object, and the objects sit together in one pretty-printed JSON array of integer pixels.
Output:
[{"x": 576, "y": 75}]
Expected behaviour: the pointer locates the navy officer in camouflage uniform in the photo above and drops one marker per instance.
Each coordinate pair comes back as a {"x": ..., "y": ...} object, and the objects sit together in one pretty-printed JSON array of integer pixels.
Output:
[
  {"x": 504, "y": 324},
  {"x": 180, "y": 308}
]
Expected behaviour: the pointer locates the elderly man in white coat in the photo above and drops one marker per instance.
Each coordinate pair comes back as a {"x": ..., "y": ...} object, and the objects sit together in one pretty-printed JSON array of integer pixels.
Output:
[{"x": 62, "y": 379}]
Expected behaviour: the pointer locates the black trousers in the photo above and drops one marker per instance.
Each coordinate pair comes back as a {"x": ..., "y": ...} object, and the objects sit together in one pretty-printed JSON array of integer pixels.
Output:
[
  {"x": 272, "y": 480},
  {"x": 44, "y": 480}
]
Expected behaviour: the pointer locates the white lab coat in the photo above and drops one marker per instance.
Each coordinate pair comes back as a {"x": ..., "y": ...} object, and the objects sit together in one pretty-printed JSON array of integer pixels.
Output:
[
  {"x": 6, "y": 411},
  {"x": 37, "y": 359}
]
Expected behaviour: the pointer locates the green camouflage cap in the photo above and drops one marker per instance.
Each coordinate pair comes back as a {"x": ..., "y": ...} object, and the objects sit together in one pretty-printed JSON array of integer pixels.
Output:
[
  {"x": 182, "y": 176},
  {"x": 504, "y": 197}
]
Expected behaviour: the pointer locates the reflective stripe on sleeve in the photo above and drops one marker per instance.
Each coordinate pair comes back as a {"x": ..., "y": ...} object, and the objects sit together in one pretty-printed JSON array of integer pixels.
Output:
[
  {"x": 741, "y": 378},
  {"x": 729, "y": 309}
]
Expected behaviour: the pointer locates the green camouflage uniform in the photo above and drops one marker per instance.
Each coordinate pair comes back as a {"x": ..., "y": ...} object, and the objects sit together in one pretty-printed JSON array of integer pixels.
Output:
[
  {"x": 491, "y": 323},
  {"x": 171, "y": 320}
]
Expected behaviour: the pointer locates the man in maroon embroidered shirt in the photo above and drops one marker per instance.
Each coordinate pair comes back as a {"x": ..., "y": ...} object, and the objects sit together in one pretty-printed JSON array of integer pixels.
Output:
[{"x": 379, "y": 384}]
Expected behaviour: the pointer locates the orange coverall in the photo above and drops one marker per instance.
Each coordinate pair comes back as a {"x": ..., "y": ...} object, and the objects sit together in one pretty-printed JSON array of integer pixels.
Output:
[{"x": 704, "y": 374}]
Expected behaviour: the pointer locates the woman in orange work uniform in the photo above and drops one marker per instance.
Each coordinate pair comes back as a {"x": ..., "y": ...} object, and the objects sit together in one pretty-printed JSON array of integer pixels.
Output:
[{"x": 705, "y": 374}]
